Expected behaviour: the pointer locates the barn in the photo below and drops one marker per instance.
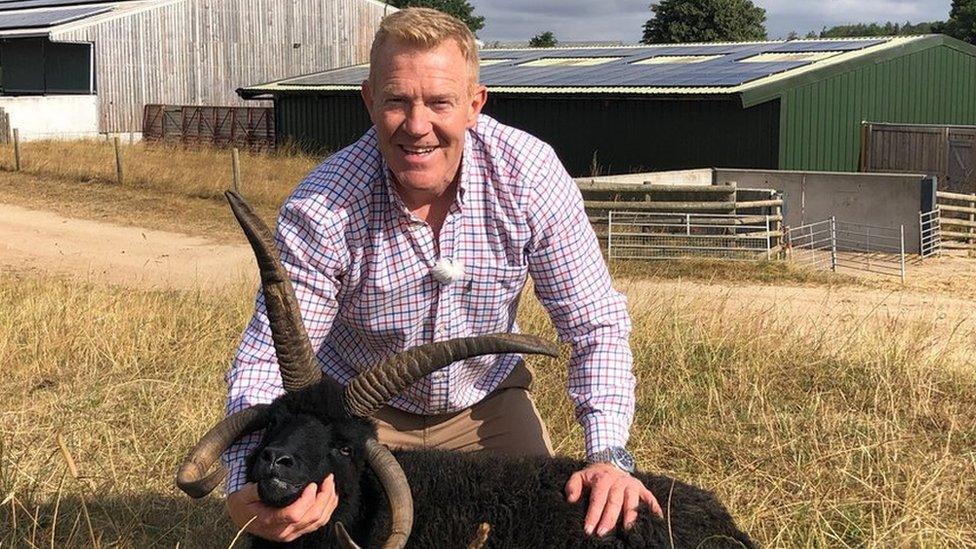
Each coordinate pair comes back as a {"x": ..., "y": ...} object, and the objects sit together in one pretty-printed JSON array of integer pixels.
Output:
[
  {"x": 84, "y": 67},
  {"x": 789, "y": 105}
]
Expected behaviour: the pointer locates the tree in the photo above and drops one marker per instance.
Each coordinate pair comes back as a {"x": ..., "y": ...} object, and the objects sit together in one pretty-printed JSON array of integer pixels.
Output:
[
  {"x": 705, "y": 21},
  {"x": 962, "y": 21},
  {"x": 876, "y": 29},
  {"x": 543, "y": 40},
  {"x": 461, "y": 9}
]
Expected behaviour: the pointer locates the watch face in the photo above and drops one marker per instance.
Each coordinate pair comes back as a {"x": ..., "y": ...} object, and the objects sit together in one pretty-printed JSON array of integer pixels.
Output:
[{"x": 622, "y": 458}]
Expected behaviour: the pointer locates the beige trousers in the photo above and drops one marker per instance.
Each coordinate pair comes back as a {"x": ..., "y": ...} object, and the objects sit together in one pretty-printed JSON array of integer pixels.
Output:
[{"x": 505, "y": 422}]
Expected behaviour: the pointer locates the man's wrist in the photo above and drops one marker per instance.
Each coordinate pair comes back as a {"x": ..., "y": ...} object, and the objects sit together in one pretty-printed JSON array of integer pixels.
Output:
[{"x": 618, "y": 456}]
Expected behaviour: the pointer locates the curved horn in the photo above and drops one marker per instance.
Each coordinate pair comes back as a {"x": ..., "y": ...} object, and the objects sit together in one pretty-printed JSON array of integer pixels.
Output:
[
  {"x": 394, "y": 482},
  {"x": 295, "y": 357},
  {"x": 192, "y": 476},
  {"x": 373, "y": 388}
]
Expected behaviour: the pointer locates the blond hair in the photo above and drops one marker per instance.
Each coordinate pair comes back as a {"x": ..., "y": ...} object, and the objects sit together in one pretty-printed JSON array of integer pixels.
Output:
[{"x": 426, "y": 28}]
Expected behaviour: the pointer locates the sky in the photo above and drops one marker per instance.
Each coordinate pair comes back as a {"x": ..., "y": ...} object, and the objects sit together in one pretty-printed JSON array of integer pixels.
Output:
[{"x": 570, "y": 20}]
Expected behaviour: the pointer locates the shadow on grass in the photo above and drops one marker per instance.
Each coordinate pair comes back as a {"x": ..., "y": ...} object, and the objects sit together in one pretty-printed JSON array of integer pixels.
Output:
[{"x": 142, "y": 520}]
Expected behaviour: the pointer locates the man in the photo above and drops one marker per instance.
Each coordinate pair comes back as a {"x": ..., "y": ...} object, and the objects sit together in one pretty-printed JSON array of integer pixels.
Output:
[{"x": 424, "y": 230}]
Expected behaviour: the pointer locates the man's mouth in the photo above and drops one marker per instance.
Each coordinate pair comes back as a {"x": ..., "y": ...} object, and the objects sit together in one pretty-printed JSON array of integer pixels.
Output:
[{"x": 417, "y": 151}]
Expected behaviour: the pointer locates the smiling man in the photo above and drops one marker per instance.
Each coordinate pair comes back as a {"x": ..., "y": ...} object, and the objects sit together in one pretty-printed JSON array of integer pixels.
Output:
[{"x": 425, "y": 229}]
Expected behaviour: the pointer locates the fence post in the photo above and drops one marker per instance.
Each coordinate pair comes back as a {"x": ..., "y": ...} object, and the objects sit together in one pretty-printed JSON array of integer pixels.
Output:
[
  {"x": 236, "y": 167},
  {"x": 118, "y": 160},
  {"x": 16, "y": 149},
  {"x": 610, "y": 236},
  {"x": 972, "y": 218},
  {"x": 833, "y": 244},
  {"x": 902, "y": 254},
  {"x": 688, "y": 224},
  {"x": 768, "y": 243}
]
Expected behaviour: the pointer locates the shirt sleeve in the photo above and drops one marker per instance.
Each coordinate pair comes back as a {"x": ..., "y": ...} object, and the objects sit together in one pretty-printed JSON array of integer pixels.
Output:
[
  {"x": 310, "y": 255},
  {"x": 574, "y": 286}
]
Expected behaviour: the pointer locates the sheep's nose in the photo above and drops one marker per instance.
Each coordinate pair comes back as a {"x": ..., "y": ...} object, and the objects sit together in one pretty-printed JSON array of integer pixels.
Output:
[{"x": 277, "y": 459}]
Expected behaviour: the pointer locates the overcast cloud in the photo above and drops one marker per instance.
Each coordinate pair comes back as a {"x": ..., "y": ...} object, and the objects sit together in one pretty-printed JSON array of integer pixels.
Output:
[{"x": 512, "y": 20}]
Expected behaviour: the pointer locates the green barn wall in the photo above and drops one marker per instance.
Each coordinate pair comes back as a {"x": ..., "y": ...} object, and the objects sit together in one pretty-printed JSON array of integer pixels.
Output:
[{"x": 820, "y": 122}]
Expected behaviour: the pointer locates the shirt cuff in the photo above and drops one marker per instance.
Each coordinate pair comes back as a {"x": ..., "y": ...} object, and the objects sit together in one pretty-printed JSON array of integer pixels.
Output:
[{"x": 603, "y": 430}]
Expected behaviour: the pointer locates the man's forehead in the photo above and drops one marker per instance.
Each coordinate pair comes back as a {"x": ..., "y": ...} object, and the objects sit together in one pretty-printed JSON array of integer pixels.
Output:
[{"x": 398, "y": 59}]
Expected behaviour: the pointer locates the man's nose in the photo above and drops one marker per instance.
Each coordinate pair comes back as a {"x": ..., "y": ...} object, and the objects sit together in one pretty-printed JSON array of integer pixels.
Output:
[{"x": 417, "y": 122}]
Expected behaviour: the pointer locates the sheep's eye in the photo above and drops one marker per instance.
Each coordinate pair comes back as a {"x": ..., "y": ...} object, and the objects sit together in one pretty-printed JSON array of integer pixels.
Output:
[{"x": 345, "y": 451}]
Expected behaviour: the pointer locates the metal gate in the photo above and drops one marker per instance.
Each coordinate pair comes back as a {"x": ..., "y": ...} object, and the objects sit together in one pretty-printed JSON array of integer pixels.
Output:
[
  {"x": 662, "y": 235},
  {"x": 246, "y": 127},
  {"x": 947, "y": 152}
]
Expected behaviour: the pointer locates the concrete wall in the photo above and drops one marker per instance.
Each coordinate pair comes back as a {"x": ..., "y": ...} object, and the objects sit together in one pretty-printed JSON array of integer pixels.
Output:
[
  {"x": 883, "y": 200},
  {"x": 682, "y": 177},
  {"x": 52, "y": 116}
]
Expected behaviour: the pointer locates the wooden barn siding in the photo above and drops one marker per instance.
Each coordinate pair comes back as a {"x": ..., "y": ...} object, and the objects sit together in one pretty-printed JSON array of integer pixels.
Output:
[
  {"x": 198, "y": 52},
  {"x": 821, "y": 122}
]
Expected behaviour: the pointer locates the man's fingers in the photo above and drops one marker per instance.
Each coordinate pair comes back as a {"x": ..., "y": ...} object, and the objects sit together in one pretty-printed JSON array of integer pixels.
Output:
[
  {"x": 293, "y": 513},
  {"x": 598, "y": 500},
  {"x": 651, "y": 502},
  {"x": 611, "y": 511},
  {"x": 574, "y": 487},
  {"x": 632, "y": 499}
]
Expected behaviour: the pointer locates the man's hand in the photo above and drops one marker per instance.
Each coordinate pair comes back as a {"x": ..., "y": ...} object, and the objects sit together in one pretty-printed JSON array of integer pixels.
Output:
[
  {"x": 612, "y": 492},
  {"x": 308, "y": 513}
]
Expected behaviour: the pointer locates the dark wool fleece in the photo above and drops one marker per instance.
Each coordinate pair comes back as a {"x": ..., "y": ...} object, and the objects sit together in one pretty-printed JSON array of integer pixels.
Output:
[{"x": 522, "y": 499}]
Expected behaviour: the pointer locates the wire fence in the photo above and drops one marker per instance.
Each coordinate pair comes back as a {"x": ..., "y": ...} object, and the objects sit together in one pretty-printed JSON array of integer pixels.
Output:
[
  {"x": 655, "y": 235},
  {"x": 834, "y": 245}
]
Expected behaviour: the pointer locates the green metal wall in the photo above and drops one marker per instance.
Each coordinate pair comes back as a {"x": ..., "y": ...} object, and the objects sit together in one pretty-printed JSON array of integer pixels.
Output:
[
  {"x": 625, "y": 134},
  {"x": 39, "y": 66},
  {"x": 821, "y": 121}
]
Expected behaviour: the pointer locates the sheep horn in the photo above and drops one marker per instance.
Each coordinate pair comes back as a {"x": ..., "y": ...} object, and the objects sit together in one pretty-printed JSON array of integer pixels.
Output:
[
  {"x": 394, "y": 482},
  {"x": 192, "y": 476},
  {"x": 373, "y": 388},
  {"x": 295, "y": 357}
]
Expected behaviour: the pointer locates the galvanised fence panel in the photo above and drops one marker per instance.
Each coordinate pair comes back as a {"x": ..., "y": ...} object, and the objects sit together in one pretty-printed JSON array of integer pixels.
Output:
[{"x": 663, "y": 235}]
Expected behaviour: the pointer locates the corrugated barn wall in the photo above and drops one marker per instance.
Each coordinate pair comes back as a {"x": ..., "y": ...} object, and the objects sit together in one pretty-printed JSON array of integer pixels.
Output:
[
  {"x": 613, "y": 134},
  {"x": 198, "y": 52},
  {"x": 822, "y": 120}
]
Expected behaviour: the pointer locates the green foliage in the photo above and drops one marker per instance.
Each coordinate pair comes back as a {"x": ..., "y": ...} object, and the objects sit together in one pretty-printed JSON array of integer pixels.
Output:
[
  {"x": 543, "y": 40},
  {"x": 887, "y": 29},
  {"x": 705, "y": 21},
  {"x": 962, "y": 21},
  {"x": 461, "y": 9}
]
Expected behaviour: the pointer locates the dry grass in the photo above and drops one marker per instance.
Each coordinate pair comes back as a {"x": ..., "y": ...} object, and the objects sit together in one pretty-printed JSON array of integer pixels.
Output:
[
  {"x": 156, "y": 177},
  {"x": 813, "y": 441}
]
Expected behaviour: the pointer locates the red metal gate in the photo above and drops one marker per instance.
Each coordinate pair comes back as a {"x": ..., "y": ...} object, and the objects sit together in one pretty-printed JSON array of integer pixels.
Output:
[{"x": 249, "y": 128}]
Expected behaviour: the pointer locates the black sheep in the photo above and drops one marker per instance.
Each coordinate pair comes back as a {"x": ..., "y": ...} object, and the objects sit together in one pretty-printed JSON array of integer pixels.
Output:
[{"x": 319, "y": 427}]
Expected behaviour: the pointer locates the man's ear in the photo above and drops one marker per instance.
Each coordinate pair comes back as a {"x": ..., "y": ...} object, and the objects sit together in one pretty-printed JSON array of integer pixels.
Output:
[
  {"x": 478, "y": 98},
  {"x": 367, "y": 93}
]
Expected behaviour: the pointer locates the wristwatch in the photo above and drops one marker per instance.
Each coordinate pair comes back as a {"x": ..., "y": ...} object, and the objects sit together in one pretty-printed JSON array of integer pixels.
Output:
[{"x": 617, "y": 456}]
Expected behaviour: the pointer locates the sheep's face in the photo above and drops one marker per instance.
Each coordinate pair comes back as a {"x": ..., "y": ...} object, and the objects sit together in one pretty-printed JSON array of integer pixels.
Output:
[{"x": 299, "y": 449}]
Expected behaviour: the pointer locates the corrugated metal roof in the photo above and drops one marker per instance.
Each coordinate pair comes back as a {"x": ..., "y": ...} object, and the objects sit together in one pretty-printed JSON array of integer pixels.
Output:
[
  {"x": 47, "y": 18},
  {"x": 9, "y": 5},
  {"x": 701, "y": 69}
]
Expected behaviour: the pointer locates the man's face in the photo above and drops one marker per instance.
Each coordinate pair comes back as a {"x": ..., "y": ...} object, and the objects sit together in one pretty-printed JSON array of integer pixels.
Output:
[{"x": 422, "y": 102}]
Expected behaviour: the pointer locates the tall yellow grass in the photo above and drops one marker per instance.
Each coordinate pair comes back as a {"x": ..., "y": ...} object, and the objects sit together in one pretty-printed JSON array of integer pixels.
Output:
[
  {"x": 814, "y": 437},
  {"x": 201, "y": 172}
]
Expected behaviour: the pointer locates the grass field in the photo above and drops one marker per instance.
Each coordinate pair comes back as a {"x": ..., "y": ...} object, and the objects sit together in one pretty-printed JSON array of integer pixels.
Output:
[{"x": 851, "y": 432}]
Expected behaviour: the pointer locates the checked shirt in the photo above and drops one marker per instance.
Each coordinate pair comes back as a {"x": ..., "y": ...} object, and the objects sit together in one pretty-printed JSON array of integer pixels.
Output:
[{"x": 361, "y": 267}]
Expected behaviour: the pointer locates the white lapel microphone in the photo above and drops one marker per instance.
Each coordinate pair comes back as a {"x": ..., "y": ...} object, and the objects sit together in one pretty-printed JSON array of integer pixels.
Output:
[{"x": 446, "y": 270}]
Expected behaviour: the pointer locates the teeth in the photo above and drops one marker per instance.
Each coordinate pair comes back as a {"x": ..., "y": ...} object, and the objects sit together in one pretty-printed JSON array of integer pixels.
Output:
[{"x": 414, "y": 150}]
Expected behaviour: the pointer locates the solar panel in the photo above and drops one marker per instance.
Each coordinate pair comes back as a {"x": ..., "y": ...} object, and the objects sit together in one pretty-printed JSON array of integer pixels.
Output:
[
  {"x": 8, "y": 5},
  {"x": 701, "y": 65},
  {"x": 42, "y": 19}
]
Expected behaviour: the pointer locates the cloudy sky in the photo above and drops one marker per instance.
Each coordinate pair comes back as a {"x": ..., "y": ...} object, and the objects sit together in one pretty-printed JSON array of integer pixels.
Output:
[{"x": 511, "y": 20}]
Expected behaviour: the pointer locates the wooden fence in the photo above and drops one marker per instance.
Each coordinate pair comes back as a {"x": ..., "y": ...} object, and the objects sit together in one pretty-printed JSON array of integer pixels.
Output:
[
  {"x": 727, "y": 199},
  {"x": 957, "y": 220},
  {"x": 5, "y": 135},
  {"x": 244, "y": 127}
]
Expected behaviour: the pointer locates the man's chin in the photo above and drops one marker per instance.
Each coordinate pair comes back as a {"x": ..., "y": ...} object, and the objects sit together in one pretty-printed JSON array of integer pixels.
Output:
[{"x": 278, "y": 493}]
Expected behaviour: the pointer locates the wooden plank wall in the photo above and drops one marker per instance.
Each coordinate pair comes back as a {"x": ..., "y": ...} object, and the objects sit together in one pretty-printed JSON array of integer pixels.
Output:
[
  {"x": 198, "y": 52},
  {"x": 947, "y": 152}
]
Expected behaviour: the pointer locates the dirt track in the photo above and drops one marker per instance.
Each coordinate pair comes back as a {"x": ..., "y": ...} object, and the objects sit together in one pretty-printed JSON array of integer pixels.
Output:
[
  {"x": 105, "y": 252},
  {"x": 939, "y": 294}
]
